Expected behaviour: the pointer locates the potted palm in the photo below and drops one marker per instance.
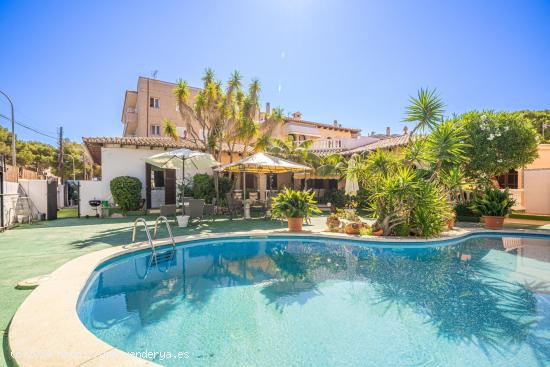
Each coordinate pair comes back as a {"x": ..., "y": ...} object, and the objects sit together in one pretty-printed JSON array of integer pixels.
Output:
[
  {"x": 493, "y": 204},
  {"x": 294, "y": 206}
]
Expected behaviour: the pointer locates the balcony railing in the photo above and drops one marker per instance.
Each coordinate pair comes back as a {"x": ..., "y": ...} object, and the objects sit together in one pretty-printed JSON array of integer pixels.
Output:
[{"x": 518, "y": 196}]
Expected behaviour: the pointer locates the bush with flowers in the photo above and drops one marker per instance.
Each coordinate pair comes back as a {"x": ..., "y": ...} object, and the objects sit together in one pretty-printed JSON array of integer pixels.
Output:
[{"x": 497, "y": 142}]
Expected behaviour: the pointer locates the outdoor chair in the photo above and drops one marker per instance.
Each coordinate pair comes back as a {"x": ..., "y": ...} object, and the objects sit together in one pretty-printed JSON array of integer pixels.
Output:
[
  {"x": 168, "y": 210},
  {"x": 209, "y": 211},
  {"x": 194, "y": 208},
  {"x": 235, "y": 207}
]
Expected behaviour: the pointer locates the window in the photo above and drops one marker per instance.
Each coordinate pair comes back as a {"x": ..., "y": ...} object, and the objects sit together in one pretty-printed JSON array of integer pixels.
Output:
[
  {"x": 155, "y": 130},
  {"x": 508, "y": 180},
  {"x": 182, "y": 133},
  {"x": 154, "y": 102},
  {"x": 157, "y": 179},
  {"x": 250, "y": 181}
]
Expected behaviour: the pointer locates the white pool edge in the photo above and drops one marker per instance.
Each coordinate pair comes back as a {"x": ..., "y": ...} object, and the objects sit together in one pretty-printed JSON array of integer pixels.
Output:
[{"x": 46, "y": 330}]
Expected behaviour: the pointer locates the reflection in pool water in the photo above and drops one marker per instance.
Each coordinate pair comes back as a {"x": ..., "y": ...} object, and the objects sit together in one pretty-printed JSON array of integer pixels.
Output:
[{"x": 312, "y": 302}]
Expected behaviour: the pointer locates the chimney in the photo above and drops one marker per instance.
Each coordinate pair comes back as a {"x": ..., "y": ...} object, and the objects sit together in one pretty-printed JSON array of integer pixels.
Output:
[
  {"x": 297, "y": 115},
  {"x": 388, "y": 131},
  {"x": 267, "y": 109},
  {"x": 405, "y": 130},
  {"x": 335, "y": 122}
]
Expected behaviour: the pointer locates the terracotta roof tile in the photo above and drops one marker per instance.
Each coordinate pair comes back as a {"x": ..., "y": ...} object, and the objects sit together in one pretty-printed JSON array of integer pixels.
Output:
[
  {"x": 391, "y": 142},
  {"x": 321, "y": 124},
  {"x": 94, "y": 144}
]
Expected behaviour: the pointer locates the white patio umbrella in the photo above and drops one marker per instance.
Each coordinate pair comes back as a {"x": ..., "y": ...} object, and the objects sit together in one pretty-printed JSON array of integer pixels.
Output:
[
  {"x": 184, "y": 159},
  {"x": 352, "y": 185},
  {"x": 263, "y": 163}
]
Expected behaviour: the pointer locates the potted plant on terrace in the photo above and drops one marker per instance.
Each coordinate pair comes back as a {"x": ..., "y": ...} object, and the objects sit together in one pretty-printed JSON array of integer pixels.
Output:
[
  {"x": 294, "y": 206},
  {"x": 493, "y": 204}
]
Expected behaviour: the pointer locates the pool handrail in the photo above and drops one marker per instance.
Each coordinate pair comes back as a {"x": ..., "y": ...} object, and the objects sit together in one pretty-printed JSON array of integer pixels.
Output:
[
  {"x": 142, "y": 220},
  {"x": 162, "y": 218}
]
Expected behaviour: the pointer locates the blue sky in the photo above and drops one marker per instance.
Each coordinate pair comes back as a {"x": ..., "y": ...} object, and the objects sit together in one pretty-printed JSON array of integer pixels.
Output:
[{"x": 69, "y": 62}]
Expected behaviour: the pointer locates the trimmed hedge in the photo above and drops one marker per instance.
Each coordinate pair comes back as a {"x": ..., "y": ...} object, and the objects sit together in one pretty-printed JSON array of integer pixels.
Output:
[{"x": 126, "y": 192}]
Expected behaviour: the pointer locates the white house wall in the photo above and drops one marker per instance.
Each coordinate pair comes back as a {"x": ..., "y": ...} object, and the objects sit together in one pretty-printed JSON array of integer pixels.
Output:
[
  {"x": 537, "y": 191},
  {"x": 10, "y": 201},
  {"x": 115, "y": 162},
  {"x": 37, "y": 192}
]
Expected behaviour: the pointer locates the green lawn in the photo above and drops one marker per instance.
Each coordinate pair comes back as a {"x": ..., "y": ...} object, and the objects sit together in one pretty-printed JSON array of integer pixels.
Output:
[
  {"x": 67, "y": 213},
  {"x": 40, "y": 248}
]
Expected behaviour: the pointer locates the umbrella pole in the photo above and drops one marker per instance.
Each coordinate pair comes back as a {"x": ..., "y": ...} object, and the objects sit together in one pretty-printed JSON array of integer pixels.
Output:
[
  {"x": 182, "y": 186},
  {"x": 244, "y": 185}
]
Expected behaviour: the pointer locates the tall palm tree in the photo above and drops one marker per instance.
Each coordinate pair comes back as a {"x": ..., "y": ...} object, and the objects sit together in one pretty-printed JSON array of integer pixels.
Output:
[
  {"x": 445, "y": 146},
  {"x": 426, "y": 110},
  {"x": 296, "y": 151},
  {"x": 169, "y": 129}
]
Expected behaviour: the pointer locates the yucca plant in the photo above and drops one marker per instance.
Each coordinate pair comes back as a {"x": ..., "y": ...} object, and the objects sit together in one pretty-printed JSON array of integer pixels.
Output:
[
  {"x": 294, "y": 204},
  {"x": 493, "y": 202}
]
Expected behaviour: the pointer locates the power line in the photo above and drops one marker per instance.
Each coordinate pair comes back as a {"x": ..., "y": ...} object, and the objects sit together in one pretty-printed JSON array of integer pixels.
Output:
[{"x": 30, "y": 128}]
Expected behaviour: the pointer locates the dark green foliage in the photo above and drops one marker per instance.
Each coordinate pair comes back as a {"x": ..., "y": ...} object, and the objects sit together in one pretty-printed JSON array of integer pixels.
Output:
[
  {"x": 537, "y": 118},
  {"x": 294, "y": 204},
  {"x": 336, "y": 197},
  {"x": 126, "y": 192},
  {"x": 203, "y": 187},
  {"x": 497, "y": 142},
  {"x": 493, "y": 202},
  {"x": 38, "y": 156},
  {"x": 464, "y": 210}
]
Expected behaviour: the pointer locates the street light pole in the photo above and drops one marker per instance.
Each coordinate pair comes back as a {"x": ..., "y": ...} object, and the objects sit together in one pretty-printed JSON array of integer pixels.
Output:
[
  {"x": 13, "y": 154},
  {"x": 74, "y": 177}
]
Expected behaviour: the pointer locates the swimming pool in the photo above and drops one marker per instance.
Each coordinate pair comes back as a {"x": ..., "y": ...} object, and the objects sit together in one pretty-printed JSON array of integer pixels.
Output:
[{"x": 300, "y": 301}]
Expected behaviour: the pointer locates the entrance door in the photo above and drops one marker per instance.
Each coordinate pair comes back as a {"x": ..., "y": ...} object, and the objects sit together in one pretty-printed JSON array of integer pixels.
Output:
[
  {"x": 51, "y": 199},
  {"x": 169, "y": 186}
]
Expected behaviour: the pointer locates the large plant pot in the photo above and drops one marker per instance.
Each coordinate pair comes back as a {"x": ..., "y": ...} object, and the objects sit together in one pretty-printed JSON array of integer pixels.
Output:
[
  {"x": 295, "y": 224},
  {"x": 493, "y": 222},
  {"x": 451, "y": 223},
  {"x": 353, "y": 228}
]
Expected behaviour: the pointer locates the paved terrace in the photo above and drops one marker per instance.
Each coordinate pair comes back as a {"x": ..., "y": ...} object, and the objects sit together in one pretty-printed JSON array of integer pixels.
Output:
[{"x": 37, "y": 249}]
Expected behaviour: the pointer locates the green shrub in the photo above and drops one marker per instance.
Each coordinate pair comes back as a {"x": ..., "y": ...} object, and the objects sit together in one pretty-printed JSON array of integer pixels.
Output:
[
  {"x": 493, "y": 202},
  {"x": 294, "y": 204},
  {"x": 203, "y": 187},
  {"x": 431, "y": 210},
  {"x": 336, "y": 197},
  {"x": 126, "y": 192},
  {"x": 465, "y": 210}
]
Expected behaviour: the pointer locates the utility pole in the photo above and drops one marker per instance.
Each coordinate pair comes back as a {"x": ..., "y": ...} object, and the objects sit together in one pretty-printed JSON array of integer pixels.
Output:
[
  {"x": 13, "y": 153},
  {"x": 60, "y": 165}
]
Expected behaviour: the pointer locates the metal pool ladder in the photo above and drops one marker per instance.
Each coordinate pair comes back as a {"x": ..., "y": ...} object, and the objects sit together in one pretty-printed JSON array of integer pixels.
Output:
[
  {"x": 141, "y": 220},
  {"x": 162, "y": 218}
]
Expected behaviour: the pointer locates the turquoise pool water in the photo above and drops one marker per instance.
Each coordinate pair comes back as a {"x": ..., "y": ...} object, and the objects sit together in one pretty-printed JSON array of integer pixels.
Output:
[{"x": 315, "y": 302}]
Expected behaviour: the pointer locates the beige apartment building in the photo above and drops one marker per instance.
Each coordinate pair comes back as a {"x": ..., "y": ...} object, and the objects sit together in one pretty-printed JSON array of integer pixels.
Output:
[{"x": 153, "y": 101}]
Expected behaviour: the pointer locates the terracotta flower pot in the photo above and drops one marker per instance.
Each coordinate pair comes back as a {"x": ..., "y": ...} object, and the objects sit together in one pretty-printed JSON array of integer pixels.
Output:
[
  {"x": 352, "y": 228},
  {"x": 451, "y": 223},
  {"x": 493, "y": 222},
  {"x": 380, "y": 232},
  {"x": 295, "y": 224}
]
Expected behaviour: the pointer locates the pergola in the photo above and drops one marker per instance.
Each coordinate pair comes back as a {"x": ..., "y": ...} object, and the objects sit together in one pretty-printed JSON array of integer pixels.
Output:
[{"x": 263, "y": 163}]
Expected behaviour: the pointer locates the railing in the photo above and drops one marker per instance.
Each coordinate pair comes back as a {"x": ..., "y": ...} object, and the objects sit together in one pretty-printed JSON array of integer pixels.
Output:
[
  {"x": 162, "y": 218},
  {"x": 141, "y": 220},
  {"x": 327, "y": 144},
  {"x": 518, "y": 196}
]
